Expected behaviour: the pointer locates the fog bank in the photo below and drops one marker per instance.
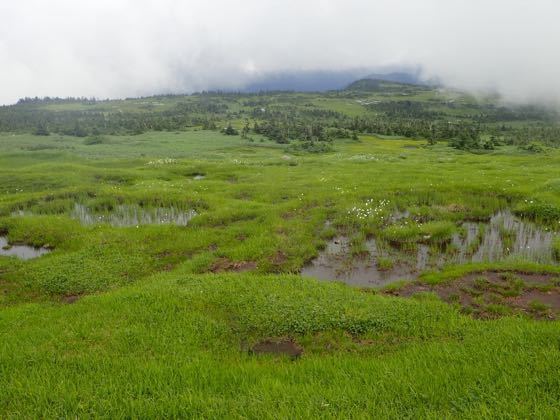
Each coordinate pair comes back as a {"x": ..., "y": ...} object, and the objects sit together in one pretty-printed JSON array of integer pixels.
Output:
[{"x": 120, "y": 48}]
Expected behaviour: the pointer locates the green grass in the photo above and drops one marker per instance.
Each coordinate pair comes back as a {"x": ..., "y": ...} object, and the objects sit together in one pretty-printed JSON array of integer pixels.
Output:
[
  {"x": 153, "y": 145},
  {"x": 176, "y": 346},
  {"x": 384, "y": 264},
  {"x": 454, "y": 272},
  {"x": 431, "y": 232},
  {"x": 155, "y": 335}
]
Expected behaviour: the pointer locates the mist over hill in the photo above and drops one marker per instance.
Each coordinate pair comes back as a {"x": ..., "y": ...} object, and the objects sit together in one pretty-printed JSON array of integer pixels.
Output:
[
  {"x": 325, "y": 80},
  {"x": 125, "y": 48},
  {"x": 304, "y": 81}
]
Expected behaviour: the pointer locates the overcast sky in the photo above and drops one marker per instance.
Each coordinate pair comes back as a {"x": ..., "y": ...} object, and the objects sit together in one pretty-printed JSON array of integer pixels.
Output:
[{"x": 116, "y": 48}]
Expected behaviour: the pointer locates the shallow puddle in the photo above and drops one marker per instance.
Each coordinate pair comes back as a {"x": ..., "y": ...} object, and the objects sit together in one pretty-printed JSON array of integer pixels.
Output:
[
  {"x": 335, "y": 263},
  {"x": 132, "y": 215},
  {"x": 503, "y": 237},
  {"x": 24, "y": 252}
]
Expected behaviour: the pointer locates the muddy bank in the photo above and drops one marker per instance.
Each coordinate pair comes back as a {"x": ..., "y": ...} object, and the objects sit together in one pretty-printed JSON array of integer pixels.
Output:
[
  {"x": 224, "y": 265},
  {"x": 492, "y": 294}
]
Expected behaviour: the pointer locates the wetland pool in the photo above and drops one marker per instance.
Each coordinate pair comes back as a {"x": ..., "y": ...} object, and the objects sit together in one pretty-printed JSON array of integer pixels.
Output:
[
  {"x": 504, "y": 237},
  {"x": 23, "y": 252}
]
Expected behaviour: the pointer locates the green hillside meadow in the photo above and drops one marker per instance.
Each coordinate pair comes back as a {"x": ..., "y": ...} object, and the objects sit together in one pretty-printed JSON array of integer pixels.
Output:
[{"x": 174, "y": 231}]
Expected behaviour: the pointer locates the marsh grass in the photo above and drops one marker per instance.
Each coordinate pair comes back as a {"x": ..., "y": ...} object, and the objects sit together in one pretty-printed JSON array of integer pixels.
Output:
[
  {"x": 154, "y": 335},
  {"x": 431, "y": 232},
  {"x": 556, "y": 248},
  {"x": 384, "y": 263}
]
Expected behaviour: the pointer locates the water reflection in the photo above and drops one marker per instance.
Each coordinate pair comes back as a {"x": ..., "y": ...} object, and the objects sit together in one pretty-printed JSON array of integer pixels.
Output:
[
  {"x": 133, "y": 215},
  {"x": 23, "y": 252},
  {"x": 504, "y": 237}
]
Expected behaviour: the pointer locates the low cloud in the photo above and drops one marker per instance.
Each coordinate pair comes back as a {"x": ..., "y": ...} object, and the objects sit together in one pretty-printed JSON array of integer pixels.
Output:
[{"x": 119, "y": 48}]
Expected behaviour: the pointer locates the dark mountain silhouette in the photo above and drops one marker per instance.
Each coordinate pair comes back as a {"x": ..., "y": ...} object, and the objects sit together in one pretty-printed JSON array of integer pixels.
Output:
[
  {"x": 305, "y": 81},
  {"x": 324, "y": 80}
]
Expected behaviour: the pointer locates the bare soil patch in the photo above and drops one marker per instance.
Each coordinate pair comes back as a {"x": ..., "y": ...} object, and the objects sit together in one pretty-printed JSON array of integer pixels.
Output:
[
  {"x": 279, "y": 258},
  {"x": 224, "y": 264},
  {"x": 70, "y": 299},
  {"x": 278, "y": 346}
]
